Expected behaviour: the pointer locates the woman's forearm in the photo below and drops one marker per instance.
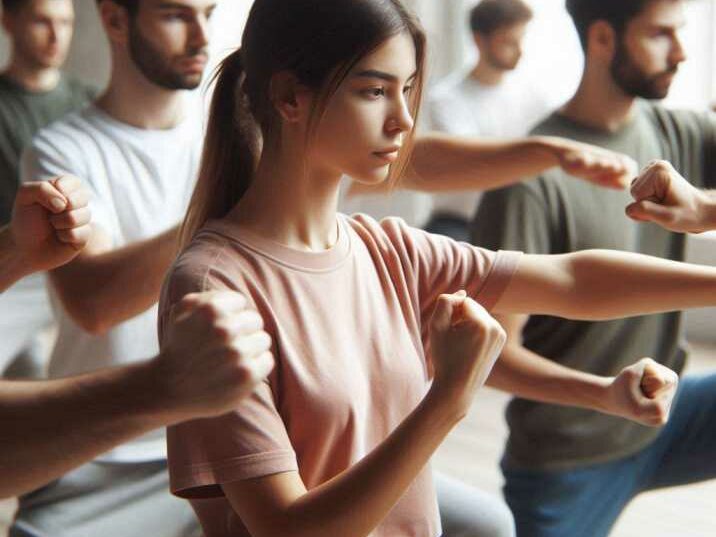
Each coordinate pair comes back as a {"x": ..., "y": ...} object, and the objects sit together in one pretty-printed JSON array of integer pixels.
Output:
[
  {"x": 353, "y": 503},
  {"x": 597, "y": 285}
]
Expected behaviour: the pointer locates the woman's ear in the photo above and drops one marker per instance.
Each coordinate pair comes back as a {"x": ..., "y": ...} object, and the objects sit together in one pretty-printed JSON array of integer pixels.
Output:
[{"x": 291, "y": 98}]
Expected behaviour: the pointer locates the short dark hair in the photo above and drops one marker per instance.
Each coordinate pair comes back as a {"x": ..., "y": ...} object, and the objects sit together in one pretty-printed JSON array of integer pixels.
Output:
[
  {"x": 617, "y": 13},
  {"x": 489, "y": 15},
  {"x": 132, "y": 6},
  {"x": 12, "y": 5}
]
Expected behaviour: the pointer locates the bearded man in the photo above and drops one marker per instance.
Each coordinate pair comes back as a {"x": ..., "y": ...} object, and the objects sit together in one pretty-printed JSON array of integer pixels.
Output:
[
  {"x": 137, "y": 148},
  {"x": 571, "y": 471}
]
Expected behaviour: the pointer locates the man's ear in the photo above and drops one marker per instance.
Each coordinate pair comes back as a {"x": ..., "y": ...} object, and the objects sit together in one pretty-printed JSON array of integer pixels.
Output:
[
  {"x": 115, "y": 20},
  {"x": 291, "y": 99},
  {"x": 602, "y": 41},
  {"x": 480, "y": 41}
]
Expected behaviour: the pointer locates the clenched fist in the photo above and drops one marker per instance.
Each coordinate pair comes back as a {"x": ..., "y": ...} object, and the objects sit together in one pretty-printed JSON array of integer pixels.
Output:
[
  {"x": 661, "y": 195},
  {"x": 643, "y": 392},
  {"x": 465, "y": 342},
  {"x": 215, "y": 353}
]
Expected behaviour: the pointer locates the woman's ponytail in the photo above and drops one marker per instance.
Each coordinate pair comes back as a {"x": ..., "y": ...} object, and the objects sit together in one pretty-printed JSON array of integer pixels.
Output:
[{"x": 231, "y": 150}]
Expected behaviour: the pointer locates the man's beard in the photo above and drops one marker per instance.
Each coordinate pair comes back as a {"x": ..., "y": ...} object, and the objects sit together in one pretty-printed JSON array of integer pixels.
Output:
[
  {"x": 156, "y": 68},
  {"x": 633, "y": 81}
]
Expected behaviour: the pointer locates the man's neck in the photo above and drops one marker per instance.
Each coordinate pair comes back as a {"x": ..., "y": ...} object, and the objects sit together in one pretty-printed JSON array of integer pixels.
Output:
[
  {"x": 600, "y": 103},
  {"x": 486, "y": 74},
  {"x": 132, "y": 99},
  {"x": 33, "y": 79}
]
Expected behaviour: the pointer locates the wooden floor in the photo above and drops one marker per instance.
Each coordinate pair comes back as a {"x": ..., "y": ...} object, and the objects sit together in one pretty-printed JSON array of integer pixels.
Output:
[{"x": 473, "y": 449}]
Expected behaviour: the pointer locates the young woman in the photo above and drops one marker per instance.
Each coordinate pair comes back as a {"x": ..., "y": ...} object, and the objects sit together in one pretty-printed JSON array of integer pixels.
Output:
[{"x": 337, "y": 441}]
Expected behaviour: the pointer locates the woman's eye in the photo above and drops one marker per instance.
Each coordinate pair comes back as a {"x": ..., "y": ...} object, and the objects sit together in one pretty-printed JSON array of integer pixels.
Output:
[
  {"x": 174, "y": 17},
  {"x": 374, "y": 92}
]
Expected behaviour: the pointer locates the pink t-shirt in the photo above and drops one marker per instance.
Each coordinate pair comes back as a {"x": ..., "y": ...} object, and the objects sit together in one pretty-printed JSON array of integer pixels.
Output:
[{"x": 350, "y": 328}]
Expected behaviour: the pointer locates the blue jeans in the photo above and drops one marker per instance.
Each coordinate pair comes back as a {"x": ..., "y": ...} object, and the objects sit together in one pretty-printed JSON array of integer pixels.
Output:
[{"x": 586, "y": 501}]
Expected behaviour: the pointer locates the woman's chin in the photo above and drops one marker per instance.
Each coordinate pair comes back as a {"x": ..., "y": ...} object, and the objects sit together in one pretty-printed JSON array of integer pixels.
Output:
[{"x": 374, "y": 177}]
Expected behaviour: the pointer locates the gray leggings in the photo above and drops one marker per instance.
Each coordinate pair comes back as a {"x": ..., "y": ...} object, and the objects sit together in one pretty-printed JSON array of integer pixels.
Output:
[
  {"x": 107, "y": 500},
  {"x": 469, "y": 512}
]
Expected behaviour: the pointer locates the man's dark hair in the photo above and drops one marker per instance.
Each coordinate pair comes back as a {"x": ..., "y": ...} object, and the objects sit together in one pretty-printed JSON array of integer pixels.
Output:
[
  {"x": 132, "y": 6},
  {"x": 489, "y": 15},
  {"x": 9, "y": 6},
  {"x": 617, "y": 13}
]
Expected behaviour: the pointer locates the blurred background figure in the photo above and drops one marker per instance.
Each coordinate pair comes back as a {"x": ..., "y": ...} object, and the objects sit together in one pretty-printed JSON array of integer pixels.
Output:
[
  {"x": 485, "y": 100},
  {"x": 33, "y": 93}
]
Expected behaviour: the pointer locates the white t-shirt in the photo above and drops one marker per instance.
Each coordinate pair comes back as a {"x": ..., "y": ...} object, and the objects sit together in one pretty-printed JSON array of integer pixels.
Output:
[
  {"x": 141, "y": 181},
  {"x": 462, "y": 106}
]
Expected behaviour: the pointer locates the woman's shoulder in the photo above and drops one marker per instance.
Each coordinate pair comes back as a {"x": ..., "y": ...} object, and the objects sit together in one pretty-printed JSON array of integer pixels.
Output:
[
  {"x": 385, "y": 228},
  {"x": 390, "y": 232},
  {"x": 207, "y": 263}
]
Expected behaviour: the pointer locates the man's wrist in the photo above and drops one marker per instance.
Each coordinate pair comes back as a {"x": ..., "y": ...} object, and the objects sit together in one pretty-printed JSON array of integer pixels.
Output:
[
  {"x": 13, "y": 264},
  {"x": 150, "y": 398},
  {"x": 550, "y": 148},
  {"x": 707, "y": 210}
]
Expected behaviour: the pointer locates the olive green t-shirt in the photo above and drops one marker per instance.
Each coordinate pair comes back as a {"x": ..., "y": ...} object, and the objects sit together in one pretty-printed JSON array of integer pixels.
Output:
[
  {"x": 22, "y": 114},
  {"x": 556, "y": 214}
]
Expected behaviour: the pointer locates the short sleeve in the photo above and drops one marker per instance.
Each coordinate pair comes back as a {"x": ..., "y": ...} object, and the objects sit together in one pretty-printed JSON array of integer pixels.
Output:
[
  {"x": 52, "y": 154},
  {"x": 438, "y": 265},
  {"x": 247, "y": 443}
]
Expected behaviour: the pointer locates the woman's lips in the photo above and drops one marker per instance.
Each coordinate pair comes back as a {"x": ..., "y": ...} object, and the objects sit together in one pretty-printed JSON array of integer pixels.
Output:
[{"x": 389, "y": 155}]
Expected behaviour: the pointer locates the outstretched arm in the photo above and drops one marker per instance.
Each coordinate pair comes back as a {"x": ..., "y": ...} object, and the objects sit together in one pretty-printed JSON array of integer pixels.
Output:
[
  {"x": 216, "y": 353},
  {"x": 441, "y": 162},
  {"x": 103, "y": 286},
  {"x": 595, "y": 285},
  {"x": 642, "y": 392}
]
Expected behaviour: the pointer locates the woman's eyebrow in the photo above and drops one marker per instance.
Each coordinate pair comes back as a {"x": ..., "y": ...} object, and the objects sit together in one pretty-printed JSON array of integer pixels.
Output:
[{"x": 373, "y": 73}]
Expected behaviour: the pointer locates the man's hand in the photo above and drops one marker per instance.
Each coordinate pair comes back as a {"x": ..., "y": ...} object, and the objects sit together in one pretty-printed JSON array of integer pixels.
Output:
[
  {"x": 593, "y": 164},
  {"x": 50, "y": 222},
  {"x": 643, "y": 393},
  {"x": 216, "y": 354},
  {"x": 661, "y": 195}
]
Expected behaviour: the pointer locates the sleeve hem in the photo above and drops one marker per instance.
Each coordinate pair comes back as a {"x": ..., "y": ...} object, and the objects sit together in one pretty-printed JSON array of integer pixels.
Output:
[
  {"x": 499, "y": 277},
  {"x": 227, "y": 471}
]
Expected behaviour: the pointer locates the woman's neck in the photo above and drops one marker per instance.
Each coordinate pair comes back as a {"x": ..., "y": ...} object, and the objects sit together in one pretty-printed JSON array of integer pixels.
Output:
[{"x": 290, "y": 204}]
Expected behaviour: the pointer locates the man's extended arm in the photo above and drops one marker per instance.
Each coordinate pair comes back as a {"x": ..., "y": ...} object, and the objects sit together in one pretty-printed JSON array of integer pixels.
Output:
[
  {"x": 102, "y": 287},
  {"x": 216, "y": 352},
  {"x": 442, "y": 162}
]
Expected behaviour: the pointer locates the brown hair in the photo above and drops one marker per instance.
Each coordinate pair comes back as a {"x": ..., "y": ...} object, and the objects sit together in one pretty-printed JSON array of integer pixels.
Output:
[
  {"x": 490, "y": 15},
  {"x": 319, "y": 42},
  {"x": 618, "y": 13},
  {"x": 132, "y": 6}
]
